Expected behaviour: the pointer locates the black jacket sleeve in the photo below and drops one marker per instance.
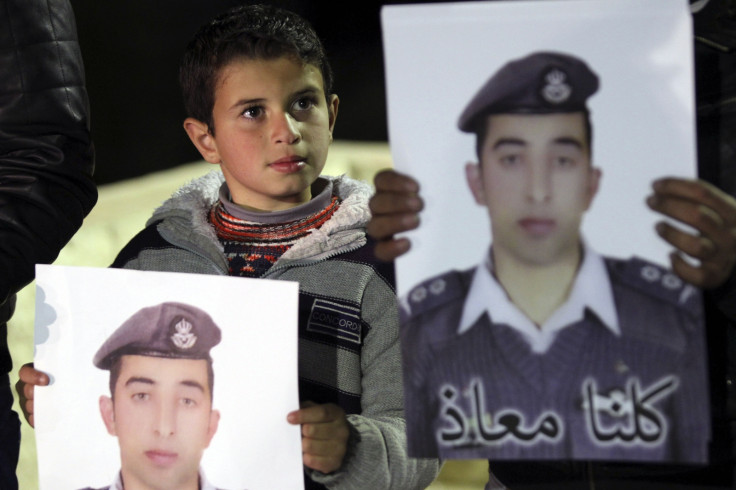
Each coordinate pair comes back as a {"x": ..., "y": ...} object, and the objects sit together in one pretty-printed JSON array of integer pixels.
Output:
[{"x": 46, "y": 154}]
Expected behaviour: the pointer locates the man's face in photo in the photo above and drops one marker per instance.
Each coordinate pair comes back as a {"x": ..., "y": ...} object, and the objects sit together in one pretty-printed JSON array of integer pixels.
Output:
[
  {"x": 536, "y": 179},
  {"x": 161, "y": 413}
]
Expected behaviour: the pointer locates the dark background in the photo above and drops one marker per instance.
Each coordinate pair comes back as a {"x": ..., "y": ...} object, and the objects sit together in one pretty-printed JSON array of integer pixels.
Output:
[{"x": 132, "y": 49}]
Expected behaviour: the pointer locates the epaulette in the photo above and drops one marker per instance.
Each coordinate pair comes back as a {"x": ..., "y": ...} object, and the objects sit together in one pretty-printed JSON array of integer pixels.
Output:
[
  {"x": 436, "y": 292},
  {"x": 656, "y": 281}
]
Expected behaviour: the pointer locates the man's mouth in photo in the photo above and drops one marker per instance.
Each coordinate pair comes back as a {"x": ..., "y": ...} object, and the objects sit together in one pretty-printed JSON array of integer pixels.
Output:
[
  {"x": 161, "y": 458},
  {"x": 538, "y": 227}
]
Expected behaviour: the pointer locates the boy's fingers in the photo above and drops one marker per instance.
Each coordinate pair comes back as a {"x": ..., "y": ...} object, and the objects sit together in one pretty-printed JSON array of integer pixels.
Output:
[
  {"x": 326, "y": 431},
  {"x": 32, "y": 376},
  {"x": 311, "y": 413},
  {"x": 318, "y": 447},
  {"x": 28, "y": 390},
  {"x": 322, "y": 463},
  {"x": 323, "y": 413},
  {"x": 28, "y": 378},
  {"x": 324, "y": 438},
  {"x": 324, "y": 435}
]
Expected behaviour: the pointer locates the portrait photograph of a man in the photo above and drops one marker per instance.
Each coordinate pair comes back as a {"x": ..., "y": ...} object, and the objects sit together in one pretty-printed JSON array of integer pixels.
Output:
[
  {"x": 551, "y": 344},
  {"x": 160, "y": 402}
]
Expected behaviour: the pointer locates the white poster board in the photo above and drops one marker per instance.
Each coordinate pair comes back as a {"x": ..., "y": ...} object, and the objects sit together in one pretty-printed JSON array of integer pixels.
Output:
[
  {"x": 255, "y": 373},
  {"x": 616, "y": 369}
]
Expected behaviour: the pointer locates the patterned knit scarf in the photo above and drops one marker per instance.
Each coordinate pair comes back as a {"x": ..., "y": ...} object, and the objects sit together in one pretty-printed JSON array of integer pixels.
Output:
[{"x": 252, "y": 248}]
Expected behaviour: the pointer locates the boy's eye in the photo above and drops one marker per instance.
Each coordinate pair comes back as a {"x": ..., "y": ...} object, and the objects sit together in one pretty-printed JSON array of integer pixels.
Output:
[
  {"x": 253, "y": 112},
  {"x": 140, "y": 396},
  {"x": 304, "y": 104}
]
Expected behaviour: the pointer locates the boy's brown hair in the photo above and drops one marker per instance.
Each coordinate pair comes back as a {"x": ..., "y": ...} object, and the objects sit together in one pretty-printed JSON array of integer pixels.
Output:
[{"x": 250, "y": 32}]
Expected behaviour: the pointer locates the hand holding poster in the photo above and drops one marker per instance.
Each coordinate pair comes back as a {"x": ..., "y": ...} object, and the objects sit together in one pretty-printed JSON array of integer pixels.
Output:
[
  {"x": 567, "y": 337},
  {"x": 181, "y": 378}
]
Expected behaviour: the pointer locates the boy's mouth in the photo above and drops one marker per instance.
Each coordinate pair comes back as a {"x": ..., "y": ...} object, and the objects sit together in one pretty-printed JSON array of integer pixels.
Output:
[{"x": 289, "y": 165}]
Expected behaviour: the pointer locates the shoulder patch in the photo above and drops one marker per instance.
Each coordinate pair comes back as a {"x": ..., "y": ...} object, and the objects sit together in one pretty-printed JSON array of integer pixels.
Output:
[
  {"x": 655, "y": 281},
  {"x": 436, "y": 292}
]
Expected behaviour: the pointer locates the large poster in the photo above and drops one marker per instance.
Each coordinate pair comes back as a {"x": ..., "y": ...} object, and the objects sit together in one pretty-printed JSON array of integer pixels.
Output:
[
  {"x": 539, "y": 317},
  {"x": 166, "y": 377}
]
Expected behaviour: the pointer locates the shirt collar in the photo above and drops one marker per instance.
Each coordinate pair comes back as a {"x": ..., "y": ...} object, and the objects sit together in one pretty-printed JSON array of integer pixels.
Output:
[
  {"x": 591, "y": 290},
  {"x": 203, "y": 483}
]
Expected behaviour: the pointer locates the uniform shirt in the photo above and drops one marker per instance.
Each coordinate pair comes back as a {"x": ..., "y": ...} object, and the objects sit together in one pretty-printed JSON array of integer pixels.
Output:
[
  {"x": 621, "y": 383},
  {"x": 591, "y": 290}
]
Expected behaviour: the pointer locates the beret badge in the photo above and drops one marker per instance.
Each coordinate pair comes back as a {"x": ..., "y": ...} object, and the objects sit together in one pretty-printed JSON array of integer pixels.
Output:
[
  {"x": 556, "y": 90},
  {"x": 184, "y": 338}
]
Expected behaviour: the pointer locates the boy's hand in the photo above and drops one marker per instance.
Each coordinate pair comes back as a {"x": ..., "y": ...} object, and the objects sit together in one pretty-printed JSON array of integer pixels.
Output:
[
  {"x": 395, "y": 208},
  {"x": 324, "y": 435},
  {"x": 712, "y": 213},
  {"x": 29, "y": 378}
]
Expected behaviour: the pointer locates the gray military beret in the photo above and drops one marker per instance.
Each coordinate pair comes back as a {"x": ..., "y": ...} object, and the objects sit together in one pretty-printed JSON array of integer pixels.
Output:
[
  {"x": 173, "y": 330},
  {"x": 540, "y": 83}
]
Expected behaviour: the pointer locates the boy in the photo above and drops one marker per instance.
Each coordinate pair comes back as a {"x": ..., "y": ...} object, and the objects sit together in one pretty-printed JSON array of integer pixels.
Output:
[{"x": 257, "y": 87}]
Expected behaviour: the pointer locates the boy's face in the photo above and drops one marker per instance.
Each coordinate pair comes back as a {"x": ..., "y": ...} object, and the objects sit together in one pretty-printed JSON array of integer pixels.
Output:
[
  {"x": 537, "y": 181},
  {"x": 273, "y": 127},
  {"x": 163, "y": 418}
]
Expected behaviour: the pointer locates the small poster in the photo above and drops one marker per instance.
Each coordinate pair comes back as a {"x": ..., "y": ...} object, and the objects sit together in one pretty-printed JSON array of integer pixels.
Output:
[
  {"x": 540, "y": 319},
  {"x": 159, "y": 376}
]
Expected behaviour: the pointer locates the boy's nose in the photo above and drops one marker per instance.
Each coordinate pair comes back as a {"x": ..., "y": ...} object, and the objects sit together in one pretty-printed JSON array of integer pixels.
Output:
[
  {"x": 285, "y": 129},
  {"x": 539, "y": 188}
]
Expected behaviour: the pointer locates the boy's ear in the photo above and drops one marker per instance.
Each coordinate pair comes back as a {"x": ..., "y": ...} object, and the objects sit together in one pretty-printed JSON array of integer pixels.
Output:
[
  {"x": 200, "y": 135},
  {"x": 332, "y": 104}
]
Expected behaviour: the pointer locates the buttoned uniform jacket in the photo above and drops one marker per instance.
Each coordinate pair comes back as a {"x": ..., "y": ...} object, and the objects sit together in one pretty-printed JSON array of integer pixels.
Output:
[{"x": 625, "y": 323}]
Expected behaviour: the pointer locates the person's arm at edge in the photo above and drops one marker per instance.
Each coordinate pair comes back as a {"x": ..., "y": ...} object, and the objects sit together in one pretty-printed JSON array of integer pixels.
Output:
[{"x": 46, "y": 154}]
